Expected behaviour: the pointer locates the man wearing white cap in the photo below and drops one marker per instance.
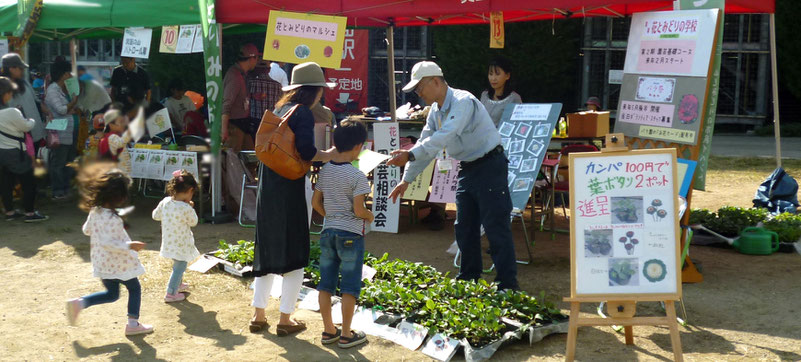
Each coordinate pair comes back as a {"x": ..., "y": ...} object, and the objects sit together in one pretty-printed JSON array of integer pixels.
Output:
[{"x": 460, "y": 127}]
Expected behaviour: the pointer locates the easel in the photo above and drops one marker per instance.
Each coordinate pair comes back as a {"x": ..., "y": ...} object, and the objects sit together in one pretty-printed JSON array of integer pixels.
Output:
[{"x": 621, "y": 311}]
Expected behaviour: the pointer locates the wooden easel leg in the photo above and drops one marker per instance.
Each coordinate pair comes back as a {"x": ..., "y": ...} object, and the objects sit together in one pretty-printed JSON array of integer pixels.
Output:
[
  {"x": 572, "y": 331},
  {"x": 629, "y": 335},
  {"x": 675, "y": 339}
]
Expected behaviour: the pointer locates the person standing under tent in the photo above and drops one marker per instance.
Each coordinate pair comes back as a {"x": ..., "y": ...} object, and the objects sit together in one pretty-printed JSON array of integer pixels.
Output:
[
  {"x": 458, "y": 126},
  {"x": 129, "y": 79},
  {"x": 63, "y": 151},
  {"x": 238, "y": 128},
  {"x": 499, "y": 93},
  {"x": 178, "y": 103},
  {"x": 25, "y": 98},
  {"x": 264, "y": 91}
]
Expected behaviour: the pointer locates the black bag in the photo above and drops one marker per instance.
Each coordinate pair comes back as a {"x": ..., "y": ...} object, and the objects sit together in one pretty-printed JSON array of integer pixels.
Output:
[{"x": 778, "y": 193}]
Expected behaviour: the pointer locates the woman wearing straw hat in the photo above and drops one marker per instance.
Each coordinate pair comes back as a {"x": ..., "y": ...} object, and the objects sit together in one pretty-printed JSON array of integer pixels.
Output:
[{"x": 282, "y": 219}]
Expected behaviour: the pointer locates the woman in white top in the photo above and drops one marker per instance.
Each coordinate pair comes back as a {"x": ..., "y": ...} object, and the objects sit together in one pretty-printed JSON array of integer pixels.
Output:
[
  {"x": 15, "y": 162},
  {"x": 499, "y": 93},
  {"x": 62, "y": 106}
]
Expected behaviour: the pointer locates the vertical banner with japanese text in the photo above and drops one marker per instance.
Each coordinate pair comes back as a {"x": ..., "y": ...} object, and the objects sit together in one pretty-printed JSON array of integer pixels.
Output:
[
  {"x": 496, "y": 30},
  {"x": 212, "y": 58},
  {"x": 385, "y": 178},
  {"x": 350, "y": 94}
]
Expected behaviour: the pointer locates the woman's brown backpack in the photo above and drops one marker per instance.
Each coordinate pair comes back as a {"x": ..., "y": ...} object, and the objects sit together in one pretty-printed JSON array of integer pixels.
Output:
[{"x": 275, "y": 146}]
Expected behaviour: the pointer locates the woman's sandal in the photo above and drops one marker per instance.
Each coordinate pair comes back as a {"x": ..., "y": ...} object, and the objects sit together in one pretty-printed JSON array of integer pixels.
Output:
[
  {"x": 284, "y": 330},
  {"x": 355, "y": 339},
  {"x": 257, "y": 326},
  {"x": 329, "y": 338}
]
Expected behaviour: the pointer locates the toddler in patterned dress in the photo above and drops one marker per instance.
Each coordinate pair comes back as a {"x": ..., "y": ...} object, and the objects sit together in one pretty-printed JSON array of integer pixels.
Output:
[
  {"x": 177, "y": 214},
  {"x": 104, "y": 188}
]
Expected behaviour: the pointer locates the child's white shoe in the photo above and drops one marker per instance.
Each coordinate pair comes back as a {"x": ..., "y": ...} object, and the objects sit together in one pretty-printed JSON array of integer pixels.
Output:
[
  {"x": 74, "y": 307},
  {"x": 183, "y": 288},
  {"x": 138, "y": 329},
  {"x": 177, "y": 297}
]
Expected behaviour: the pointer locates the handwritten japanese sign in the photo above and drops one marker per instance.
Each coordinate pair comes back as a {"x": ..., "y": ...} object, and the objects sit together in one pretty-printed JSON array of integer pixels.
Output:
[
  {"x": 526, "y": 131},
  {"x": 624, "y": 223},
  {"x": 671, "y": 42},
  {"x": 136, "y": 42},
  {"x": 169, "y": 39},
  {"x": 385, "y": 178},
  {"x": 418, "y": 189},
  {"x": 298, "y": 38},
  {"x": 350, "y": 93}
]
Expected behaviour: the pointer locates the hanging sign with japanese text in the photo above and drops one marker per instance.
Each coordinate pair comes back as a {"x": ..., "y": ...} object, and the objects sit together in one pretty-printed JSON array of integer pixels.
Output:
[
  {"x": 526, "y": 131},
  {"x": 299, "y": 38},
  {"x": 350, "y": 93},
  {"x": 169, "y": 39},
  {"x": 136, "y": 43},
  {"x": 624, "y": 226},
  {"x": 496, "y": 30},
  {"x": 444, "y": 184},
  {"x": 385, "y": 178}
]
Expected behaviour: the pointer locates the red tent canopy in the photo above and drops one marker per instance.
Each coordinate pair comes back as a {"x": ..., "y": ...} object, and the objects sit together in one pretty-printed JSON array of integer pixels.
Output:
[{"x": 452, "y": 12}]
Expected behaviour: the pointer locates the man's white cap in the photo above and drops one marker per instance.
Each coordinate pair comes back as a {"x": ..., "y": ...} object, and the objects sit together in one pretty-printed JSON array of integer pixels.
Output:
[{"x": 421, "y": 70}]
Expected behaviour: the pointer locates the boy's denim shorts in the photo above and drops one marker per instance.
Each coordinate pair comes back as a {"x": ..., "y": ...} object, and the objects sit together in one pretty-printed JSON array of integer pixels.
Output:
[{"x": 342, "y": 253}]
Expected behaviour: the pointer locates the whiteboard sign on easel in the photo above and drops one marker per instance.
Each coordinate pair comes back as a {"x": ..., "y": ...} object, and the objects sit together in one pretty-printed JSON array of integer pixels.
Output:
[
  {"x": 624, "y": 225},
  {"x": 385, "y": 178}
]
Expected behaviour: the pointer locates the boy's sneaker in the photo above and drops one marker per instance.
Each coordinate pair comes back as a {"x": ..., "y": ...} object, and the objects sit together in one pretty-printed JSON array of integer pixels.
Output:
[
  {"x": 138, "y": 329},
  {"x": 14, "y": 216},
  {"x": 74, "y": 307},
  {"x": 177, "y": 297},
  {"x": 183, "y": 287},
  {"x": 36, "y": 217}
]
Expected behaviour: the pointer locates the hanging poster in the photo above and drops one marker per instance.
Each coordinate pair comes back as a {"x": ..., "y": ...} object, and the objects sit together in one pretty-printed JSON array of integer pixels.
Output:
[
  {"x": 138, "y": 162},
  {"x": 172, "y": 163},
  {"x": 169, "y": 39},
  {"x": 444, "y": 184},
  {"x": 186, "y": 37},
  {"x": 526, "y": 131},
  {"x": 136, "y": 42},
  {"x": 197, "y": 44},
  {"x": 418, "y": 189},
  {"x": 189, "y": 163},
  {"x": 350, "y": 94},
  {"x": 671, "y": 42},
  {"x": 155, "y": 165},
  {"x": 299, "y": 38},
  {"x": 623, "y": 227},
  {"x": 387, "y": 139}
]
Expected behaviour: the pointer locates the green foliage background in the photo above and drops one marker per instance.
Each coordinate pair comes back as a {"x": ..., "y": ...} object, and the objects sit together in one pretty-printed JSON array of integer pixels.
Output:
[{"x": 546, "y": 65}]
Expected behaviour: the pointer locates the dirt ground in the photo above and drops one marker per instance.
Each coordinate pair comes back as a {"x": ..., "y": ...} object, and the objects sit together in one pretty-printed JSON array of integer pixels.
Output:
[{"x": 746, "y": 308}]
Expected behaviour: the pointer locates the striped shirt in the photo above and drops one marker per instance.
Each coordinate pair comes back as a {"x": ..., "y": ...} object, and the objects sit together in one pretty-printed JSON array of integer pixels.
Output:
[{"x": 340, "y": 183}]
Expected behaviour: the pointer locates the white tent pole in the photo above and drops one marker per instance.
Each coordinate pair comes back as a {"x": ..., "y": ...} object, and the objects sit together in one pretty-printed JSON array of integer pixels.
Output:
[
  {"x": 775, "y": 83},
  {"x": 391, "y": 68}
]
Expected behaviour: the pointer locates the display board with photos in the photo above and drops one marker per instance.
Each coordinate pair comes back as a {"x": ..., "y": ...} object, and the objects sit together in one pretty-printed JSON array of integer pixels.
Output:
[
  {"x": 666, "y": 75},
  {"x": 624, "y": 228},
  {"x": 160, "y": 164},
  {"x": 526, "y": 131}
]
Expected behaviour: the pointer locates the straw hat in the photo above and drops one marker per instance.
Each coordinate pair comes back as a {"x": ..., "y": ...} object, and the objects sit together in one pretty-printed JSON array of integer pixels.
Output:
[{"x": 308, "y": 73}]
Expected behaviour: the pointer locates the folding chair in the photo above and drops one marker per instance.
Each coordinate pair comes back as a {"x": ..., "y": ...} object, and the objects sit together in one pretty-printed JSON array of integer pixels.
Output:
[{"x": 249, "y": 182}]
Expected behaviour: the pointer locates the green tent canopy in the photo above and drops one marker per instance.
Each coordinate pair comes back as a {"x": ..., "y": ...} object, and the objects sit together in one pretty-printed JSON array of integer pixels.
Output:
[{"x": 100, "y": 15}]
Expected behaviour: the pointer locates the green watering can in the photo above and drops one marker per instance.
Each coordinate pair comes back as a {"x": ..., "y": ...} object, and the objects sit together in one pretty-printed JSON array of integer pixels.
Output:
[{"x": 756, "y": 241}]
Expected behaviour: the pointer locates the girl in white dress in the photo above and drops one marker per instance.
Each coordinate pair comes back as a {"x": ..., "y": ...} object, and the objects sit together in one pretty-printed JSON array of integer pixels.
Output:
[
  {"x": 104, "y": 189},
  {"x": 177, "y": 214}
]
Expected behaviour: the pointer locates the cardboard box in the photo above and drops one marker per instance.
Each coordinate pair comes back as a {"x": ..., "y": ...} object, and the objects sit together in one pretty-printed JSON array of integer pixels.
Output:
[{"x": 587, "y": 124}]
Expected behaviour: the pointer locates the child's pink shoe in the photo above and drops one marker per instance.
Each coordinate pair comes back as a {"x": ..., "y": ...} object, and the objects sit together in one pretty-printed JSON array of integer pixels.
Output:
[
  {"x": 177, "y": 297},
  {"x": 138, "y": 329},
  {"x": 183, "y": 288},
  {"x": 73, "y": 308}
]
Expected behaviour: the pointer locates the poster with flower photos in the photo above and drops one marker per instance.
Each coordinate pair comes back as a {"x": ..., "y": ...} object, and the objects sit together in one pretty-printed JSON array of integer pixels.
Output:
[
  {"x": 526, "y": 131},
  {"x": 624, "y": 227}
]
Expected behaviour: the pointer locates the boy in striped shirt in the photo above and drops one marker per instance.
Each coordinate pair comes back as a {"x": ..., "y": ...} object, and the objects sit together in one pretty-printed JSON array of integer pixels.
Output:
[{"x": 339, "y": 196}]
